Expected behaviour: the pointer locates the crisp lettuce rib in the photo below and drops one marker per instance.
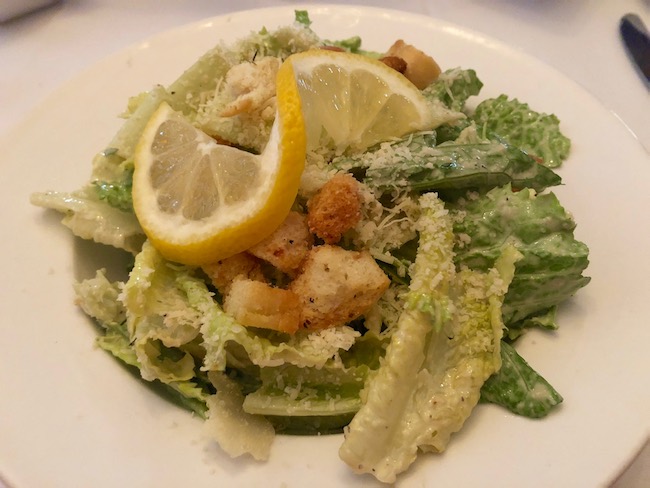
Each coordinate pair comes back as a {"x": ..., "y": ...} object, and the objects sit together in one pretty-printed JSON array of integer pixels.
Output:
[
  {"x": 317, "y": 400},
  {"x": 308, "y": 391},
  {"x": 444, "y": 347}
]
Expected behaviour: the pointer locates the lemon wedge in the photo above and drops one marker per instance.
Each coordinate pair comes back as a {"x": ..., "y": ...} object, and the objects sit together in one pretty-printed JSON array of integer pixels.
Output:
[
  {"x": 351, "y": 102},
  {"x": 199, "y": 201}
]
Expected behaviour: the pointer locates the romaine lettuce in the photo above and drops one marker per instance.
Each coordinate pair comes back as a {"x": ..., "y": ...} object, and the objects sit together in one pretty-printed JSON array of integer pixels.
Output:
[
  {"x": 540, "y": 228},
  {"x": 303, "y": 400},
  {"x": 454, "y": 87},
  {"x": 519, "y": 388},
  {"x": 536, "y": 133},
  {"x": 445, "y": 346},
  {"x": 117, "y": 193},
  {"x": 418, "y": 164},
  {"x": 90, "y": 217}
]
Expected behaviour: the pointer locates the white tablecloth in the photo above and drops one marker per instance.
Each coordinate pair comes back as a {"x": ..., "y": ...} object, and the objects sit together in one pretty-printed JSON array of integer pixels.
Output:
[{"x": 40, "y": 51}]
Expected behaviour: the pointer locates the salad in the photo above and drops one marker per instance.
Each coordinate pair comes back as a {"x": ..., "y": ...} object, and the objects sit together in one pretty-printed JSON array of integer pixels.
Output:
[{"x": 444, "y": 248}]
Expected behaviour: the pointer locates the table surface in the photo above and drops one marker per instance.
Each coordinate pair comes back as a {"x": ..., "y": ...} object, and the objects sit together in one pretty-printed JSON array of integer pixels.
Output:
[{"x": 42, "y": 50}]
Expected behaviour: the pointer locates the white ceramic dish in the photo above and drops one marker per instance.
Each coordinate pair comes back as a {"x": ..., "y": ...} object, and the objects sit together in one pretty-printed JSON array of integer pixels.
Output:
[{"x": 71, "y": 416}]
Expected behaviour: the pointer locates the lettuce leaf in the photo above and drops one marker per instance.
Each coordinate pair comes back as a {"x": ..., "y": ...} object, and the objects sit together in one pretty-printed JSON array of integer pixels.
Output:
[
  {"x": 90, "y": 217},
  {"x": 536, "y": 133},
  {"x": 161, "y": 320},
  {"x": 446, "y": 344},
  {"x": 418, "y": 164},
  {"x": 308, "y": 400},
  {"x": 553, "y": 262},
  {"x": 117, "y": 193},
  {"x": 454, "y": 87},
  {"x": 98, "y": 297},
  {"x": 302, "y": 17},
  {"x": 519, "y": 388},
  {"x": 222, "y": 336}
]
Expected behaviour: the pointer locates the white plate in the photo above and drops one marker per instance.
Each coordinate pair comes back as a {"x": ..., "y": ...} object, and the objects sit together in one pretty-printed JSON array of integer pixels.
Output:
[{"x": 71, "y": 416}]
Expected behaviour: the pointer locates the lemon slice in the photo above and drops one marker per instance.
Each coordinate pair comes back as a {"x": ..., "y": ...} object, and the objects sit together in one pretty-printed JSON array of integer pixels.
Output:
[
  {"x": 199, "y": 201},
  {"x": 351, "y": 102}
]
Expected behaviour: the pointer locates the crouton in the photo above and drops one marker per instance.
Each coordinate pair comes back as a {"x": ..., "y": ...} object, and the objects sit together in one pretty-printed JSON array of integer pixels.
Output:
[
  {"x": 398, "y": 64},
  {"x": 335, "y": 209},
  {"x": 257, "y": 304},
  {"x": 337, "y": 286},
  {"x": 223, "y": 273},
  {"x": 288, "y": 246},
  {"x": 421, "y": 69}
]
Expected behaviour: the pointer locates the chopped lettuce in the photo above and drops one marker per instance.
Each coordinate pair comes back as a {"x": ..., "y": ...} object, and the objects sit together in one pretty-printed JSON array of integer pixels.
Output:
[
  {"x": 117, "y": 193},
  {"x": 553, "y": 262},
  {"x": 221, "y": 333},
  {"x": 98, "y": 297},
  {"x": 302, "y": 17},
  {"x": 454, "y": 87},
  {"x": 445, "y": 346},
  {"x": 544, "y": 319},
  {"x": 139, "y": 111},
  {"x": 536, "y": 133},
  {"x": 90, "y": 217},
  {"x": 161, "y": 320},
  {"x": 288, "y": 391},
  {"x": 418, "y": 164},
  {"x": 309, "y": 400},
  {"x": 353, "y": 45},
  {"x": 168, "y": 307},
  {"x": 519, "y": 388}
]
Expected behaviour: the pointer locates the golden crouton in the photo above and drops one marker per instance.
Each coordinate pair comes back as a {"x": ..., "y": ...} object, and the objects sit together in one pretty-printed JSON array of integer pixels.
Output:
[
  {"x": 335, "y": 209},
  {"x": 421, "y": 69},
  {"x": 223, "y": 273},
  {"x": 337, "y": 286},
  {"x": 288, "y": 246},
  {"x": 398, "y": 64},
  {"x": 257, "y": 304}
]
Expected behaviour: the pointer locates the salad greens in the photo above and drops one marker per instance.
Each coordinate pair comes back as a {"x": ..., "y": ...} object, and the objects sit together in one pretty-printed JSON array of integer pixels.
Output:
[
  {"x": 454, "y": 87},
  {"x": 419, "y": 164},
  {"x": 538, "y": 134},
  {"x": 537, "y": 225},
  {"x": 444, "y": 347},
  {"x": 460, "y": 218},
  {"x": 518, "y": 387}
]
